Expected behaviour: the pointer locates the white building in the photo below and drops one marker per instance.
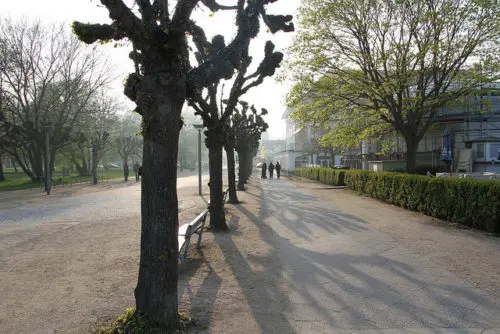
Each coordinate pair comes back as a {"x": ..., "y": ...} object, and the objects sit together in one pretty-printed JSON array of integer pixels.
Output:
[{"x": 302, "y": 149}]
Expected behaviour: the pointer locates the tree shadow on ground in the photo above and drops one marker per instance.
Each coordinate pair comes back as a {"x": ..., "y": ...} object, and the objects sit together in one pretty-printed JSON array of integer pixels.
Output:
[
  {"x": 353, "y": 288},
  {"x": 265, "y": 301},
  {"x": 200, "y": 299}
]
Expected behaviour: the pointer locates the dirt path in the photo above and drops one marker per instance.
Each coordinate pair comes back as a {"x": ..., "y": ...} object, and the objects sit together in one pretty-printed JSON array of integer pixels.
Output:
[
  {"x": 303, "y": 260},
  {"x": 68, "y": 262}
]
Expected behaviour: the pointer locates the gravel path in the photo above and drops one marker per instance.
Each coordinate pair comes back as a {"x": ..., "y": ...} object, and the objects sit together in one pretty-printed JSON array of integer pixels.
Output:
[
  {"x": 69, "y": 261},
  {"x": 297, "y": 259},
  {"x": 305, "y": 260}
]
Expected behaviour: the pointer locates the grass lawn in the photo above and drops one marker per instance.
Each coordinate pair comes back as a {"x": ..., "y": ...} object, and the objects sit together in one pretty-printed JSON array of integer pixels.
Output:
[{"x": 21, "y": 181}]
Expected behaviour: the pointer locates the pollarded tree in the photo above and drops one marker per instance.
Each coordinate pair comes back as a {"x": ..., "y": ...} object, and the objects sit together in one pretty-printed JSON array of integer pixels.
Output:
[
  {"x": 370, "y": 67},
  {"x": 216, "y": 117},
  {"x": 246, "y": 131},
  {"x": 162, "y": 81}
]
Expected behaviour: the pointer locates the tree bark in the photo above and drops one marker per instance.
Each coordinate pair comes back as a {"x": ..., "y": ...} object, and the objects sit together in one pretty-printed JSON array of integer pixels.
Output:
[
  {"x": 231, "y": 174},
  {"x": 241, "y": 171},
  {"x": 24, "y": 167},
  {"x": 411, "y": 154},
  {"x": 37, "y": 165},
  {"x": 125, "y": 168},
  {"x": 94, "y": 166},
  {"x": 217, "y": 216},
  {"x": 2, "y": 177},
  {"x": 156, "y": 291}
]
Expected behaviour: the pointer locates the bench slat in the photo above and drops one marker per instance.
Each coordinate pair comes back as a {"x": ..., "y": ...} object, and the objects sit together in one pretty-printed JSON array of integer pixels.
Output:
[{"x": 183, "y": 229}]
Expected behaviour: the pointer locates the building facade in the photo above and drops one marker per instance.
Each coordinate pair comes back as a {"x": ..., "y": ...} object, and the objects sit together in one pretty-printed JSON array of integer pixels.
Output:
[{"x": 473, "y": 124}]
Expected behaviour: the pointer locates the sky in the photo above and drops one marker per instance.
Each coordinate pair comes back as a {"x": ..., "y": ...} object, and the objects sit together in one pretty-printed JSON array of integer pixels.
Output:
[{"x": 269, "y": 95}]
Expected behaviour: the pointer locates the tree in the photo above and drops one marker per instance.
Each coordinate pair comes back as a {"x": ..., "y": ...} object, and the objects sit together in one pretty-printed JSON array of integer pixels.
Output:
[
  {"x": 245, "y": 132},
  {"x": 364, "y": 69},
  {"x": 48, "y": 78},
  {"x": 127, "y": 146},
  {"x": 98, "y": 116},
  {"x": 216, "y": 117},
  {"x": 162, "y": 81}
]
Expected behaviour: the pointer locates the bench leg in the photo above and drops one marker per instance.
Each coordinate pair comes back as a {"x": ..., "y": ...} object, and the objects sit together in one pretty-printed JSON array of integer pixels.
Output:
[
  {"x": 186, "y": 250},
  {"x": 201, "y": 232}
]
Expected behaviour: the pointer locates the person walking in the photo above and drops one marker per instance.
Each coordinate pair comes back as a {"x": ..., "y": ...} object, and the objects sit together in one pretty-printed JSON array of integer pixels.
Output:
[
  {"x": 271, "y": 170},
  {"x": 278, "y": 169},
  {"x": 136, "y": 171},
  {"x": 264, "y": 171}
]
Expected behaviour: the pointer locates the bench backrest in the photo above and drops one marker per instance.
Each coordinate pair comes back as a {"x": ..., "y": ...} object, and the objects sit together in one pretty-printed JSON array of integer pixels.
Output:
[{"x": 196, "y": 223}]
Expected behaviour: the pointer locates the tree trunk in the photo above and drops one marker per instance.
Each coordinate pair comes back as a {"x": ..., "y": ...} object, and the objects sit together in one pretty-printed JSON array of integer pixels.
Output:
[
  {"x": 25, "y": 168},
  {"x": 125, "y": 168},
  {"x": 85, "y": 164},
  {"x": 231, "y": 174},
  {"x": 37, "y": 165},
  {"x": 94, "y": 166},
  {"x": 217, "y": 216},
  {"x": 241, "y": 171},
  {"x": 2, "y": 177},
  {"x": 411, "y": 154},
  {"x": 156, "y": 291}
]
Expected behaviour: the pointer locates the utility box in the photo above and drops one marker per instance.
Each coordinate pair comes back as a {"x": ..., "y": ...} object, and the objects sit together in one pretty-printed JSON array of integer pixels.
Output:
[{"x": 387, "y": 166}]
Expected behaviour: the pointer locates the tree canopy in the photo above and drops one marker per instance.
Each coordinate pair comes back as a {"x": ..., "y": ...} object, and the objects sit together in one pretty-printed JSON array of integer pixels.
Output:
[{"x": 364, "y": 69}]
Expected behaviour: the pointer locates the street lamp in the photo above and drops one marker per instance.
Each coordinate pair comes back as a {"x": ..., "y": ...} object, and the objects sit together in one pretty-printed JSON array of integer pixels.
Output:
[{"x": 199, "y": 127}]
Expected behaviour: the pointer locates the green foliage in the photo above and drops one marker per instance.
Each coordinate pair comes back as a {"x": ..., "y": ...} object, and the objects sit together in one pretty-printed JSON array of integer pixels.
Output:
[
  {"x": 374, "y": 69},
  {"x": 133, "y": 323},
  {"x": 474, "y": 203}
]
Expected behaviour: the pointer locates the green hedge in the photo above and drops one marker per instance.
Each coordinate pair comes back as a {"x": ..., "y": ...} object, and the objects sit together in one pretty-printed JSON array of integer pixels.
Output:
[{"x": 474, "y": 203}]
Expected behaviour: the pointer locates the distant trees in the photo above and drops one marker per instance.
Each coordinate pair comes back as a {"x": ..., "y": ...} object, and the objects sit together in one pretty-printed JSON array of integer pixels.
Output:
[
  {"x": 126, "y": 147},
  {"x": 48, "y": 82},
  {"x": 247, "y": 128},
  {"x": 216, "y": 115}
]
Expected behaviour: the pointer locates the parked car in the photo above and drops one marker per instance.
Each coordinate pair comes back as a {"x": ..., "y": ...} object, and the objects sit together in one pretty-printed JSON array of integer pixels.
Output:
[{"x": 259, "y": 165}]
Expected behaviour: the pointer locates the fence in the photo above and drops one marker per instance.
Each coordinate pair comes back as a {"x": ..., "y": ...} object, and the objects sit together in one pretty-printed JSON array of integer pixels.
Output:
[{"x": 58, "y": 179}]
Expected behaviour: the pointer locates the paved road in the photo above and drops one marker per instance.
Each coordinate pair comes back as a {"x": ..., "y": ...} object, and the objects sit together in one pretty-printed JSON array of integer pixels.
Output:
[{"x": 338, "y": 275}]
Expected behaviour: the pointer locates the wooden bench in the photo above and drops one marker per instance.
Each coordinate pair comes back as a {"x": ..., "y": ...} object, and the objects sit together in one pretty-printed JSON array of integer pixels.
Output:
[{"x": 186, "y": 231}]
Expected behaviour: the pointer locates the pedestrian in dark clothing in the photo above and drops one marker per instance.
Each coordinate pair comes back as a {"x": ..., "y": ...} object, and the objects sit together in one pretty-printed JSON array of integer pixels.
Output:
[
  {"x": 278, "y": 169},
  {"x": 139, "y": 172},
  {"x": 264, "y": 171},
  {"x": 271, "y": 170},
  {"x": 136, "y": 171}
]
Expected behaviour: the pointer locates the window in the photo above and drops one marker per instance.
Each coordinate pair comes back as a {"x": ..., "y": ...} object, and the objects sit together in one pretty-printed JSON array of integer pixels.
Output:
[
  {"x": 480, "y": 150},
  {"x": 495, "y": 151}
]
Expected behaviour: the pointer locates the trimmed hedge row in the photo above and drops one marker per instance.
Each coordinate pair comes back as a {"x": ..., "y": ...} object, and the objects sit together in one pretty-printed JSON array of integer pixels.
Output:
[{"x": 474, "y": 203}]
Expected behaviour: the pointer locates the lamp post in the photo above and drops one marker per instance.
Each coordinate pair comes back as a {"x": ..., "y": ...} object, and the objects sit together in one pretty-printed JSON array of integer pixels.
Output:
[{"x": 199, "y": 127}]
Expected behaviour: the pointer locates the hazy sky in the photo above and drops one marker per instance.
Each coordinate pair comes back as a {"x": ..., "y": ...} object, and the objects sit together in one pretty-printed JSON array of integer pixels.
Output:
[{"x": 269, "y": 95}]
